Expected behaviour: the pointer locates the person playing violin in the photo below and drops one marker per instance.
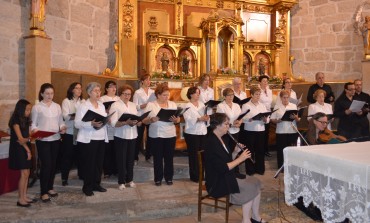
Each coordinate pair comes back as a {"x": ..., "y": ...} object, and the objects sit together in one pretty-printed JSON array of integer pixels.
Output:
[{"x": 318, "y": 133}]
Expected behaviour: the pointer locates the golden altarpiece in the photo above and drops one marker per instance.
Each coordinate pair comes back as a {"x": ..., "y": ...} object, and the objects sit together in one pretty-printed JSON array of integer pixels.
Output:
[{"x": 178, "y": 40}]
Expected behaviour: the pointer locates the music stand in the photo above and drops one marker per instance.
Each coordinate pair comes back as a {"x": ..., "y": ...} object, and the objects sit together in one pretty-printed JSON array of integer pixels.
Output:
[{"x": 280, "y": 212}]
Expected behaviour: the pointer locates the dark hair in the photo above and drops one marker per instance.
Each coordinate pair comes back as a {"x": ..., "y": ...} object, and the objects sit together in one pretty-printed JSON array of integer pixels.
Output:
[
  {"x": 124, "y": 88},
  {"x": 227, "y": 91},
  {"x": 107, "y": 86},
  {"x": 318, "y": 115},
  {"x": 43, "y": 88},
  {"x": 217, "y": 119},
  {"x": 160, "y": 89},
  {"x": 284, "y": 81},
  {"x": 191, "y": 91},
  {"x": 144, "y": 77},
  {"x": 70, "y": 90},
  {"x": 347, "y": 84},
  {"x": 260, "y": 78},
  {"x": 18, "y": 114}
]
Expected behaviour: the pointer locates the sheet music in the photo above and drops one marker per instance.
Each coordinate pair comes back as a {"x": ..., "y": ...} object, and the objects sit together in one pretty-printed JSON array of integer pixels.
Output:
[
  {"x": 356, "y": 106},
  {"x": 296, "y": 101}
]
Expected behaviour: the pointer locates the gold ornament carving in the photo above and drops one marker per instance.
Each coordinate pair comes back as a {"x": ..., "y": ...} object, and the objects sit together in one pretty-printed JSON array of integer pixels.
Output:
[
  {"x": 127, "y": 19},
  {"x": 220, "y": 4},
  {"x": 153, "y": 23},
  {"x": 37, "y": 18},
  {"x": 257, "y": 8}
]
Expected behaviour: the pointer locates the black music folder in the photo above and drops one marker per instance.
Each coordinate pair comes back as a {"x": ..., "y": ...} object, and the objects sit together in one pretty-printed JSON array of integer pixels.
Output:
[
  {"x": 107, "y": 104},
  {"x": 259, "y": 116},
  {"x": 212, "y": 103},
  {"x": 241, "y": 102},
  {"x": 287, "y": 114},
  {"x": 90, "y": 116},
  {"x": 164, "y": 115},
  {"x": 243, "y": 114},
  {"x": 125, "y": 116}
]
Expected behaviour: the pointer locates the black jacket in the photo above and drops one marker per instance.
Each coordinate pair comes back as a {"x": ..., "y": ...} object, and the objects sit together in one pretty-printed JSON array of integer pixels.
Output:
[{"x": 220, "y": 181}]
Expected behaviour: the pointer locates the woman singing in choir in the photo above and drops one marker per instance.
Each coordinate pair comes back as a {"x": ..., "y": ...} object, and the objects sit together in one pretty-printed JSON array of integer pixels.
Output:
[
  {"x": 232, "y": 110},
  {"x": 266, "y": 100},
  {"x": 320, "y": 106},
  {"x": 254, "y": 132},
  {"x": 285, "y": 133},
  {"x": 47, "y": 116},
  {"x": 109, "y": 166},
  {"x": 219, "y": 174},
  {"x": 162, "y": 135},
  {"x": 20, "y": 148},
  {"x": 141, "y": 98},
  {"x": 238, "y": 89},
  {"x": 92, "y": 137},
  {"x": 195, "y": 130},
  {"x": 287, "y": 86},
  {"x": 125, "y": 136},
  {"x": 69, "y": 153},
  {"x": 206, "y": 93}
]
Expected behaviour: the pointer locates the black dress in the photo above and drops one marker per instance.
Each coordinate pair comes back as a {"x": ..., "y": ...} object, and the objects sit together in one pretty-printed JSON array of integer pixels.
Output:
[{"x": 17, "y": 153}]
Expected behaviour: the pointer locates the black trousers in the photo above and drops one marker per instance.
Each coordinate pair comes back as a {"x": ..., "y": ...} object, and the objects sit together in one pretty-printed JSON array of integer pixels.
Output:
[
  {"x": 68, "y": 155},
  {"x": 194, "y": 143},
  {"x": 110, "y": 166},
  {"x": 48, "y": 154},
  {"x": 254, "y": 142},
  {"x": 163, "y": 150},
  {"x": 140, "y": 142},
  {"x": 125, "y": 154},
  {"x": 266, "y": 138},
  {"x": 282, "y": 141},
  {"x": 93, "y": 158}
]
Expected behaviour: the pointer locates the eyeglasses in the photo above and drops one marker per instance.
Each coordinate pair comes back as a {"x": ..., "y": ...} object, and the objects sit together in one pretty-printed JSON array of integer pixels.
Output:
[
  {"x": 126, "y": 94},
  {"x": 324, "y": 123},
  {"x": 230, "y": 95}
]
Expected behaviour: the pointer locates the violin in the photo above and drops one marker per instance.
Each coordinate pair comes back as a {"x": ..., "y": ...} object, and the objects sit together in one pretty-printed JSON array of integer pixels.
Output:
[{"x": 327, "y": 136}]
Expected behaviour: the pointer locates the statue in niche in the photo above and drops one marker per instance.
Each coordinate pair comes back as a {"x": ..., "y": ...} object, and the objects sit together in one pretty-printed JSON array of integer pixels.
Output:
[
  {"x": 261, "y": 67},
  {"x": 38, "y": 14},
  {"x": 365, "y": 33},
  {"x": 165, "y": 62},
  {"x": 185, "y": 64}
]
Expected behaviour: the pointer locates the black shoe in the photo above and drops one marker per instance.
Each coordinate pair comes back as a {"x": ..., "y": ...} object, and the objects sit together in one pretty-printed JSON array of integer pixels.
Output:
[
  {"x": 240, "y": 176},
  {"x": 158, "y": 183},
  {"x": 255, "y": 221},
  {"x": 100, "y": 189},
  {"x": 23, "y": 205},
  {"x": 33, "y": 200},
  {"x": 169, "y": 182},
  {"x": 53, "y": 195},
  {"x": 64, "y": 182},
  {"x": 268, "y": 154},
  {"x": 88, "y": 193}
]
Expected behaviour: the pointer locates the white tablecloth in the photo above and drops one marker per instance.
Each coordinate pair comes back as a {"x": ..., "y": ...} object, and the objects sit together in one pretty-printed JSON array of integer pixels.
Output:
[
  {"x": 336, "y": 178},
  {"x": 4, "y": 149}
]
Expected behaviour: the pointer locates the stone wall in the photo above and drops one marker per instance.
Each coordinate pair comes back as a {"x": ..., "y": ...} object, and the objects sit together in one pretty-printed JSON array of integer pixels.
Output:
[{"x": 323, "y": 39}]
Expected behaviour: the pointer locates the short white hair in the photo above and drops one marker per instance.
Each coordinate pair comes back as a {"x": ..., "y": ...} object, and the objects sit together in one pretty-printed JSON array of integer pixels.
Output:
[
  {"x": 237, "y": 79},
  {"x": 90, "y": 86}
]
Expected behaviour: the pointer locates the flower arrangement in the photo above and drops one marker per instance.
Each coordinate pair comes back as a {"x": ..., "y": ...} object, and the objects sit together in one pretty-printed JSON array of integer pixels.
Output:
[
  {"x": 227, "y": 71},
  {"x": 158, "y": 74}
]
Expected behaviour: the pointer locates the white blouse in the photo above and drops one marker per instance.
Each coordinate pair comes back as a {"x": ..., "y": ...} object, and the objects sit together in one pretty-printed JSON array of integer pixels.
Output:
[
  {"x": 160, "y": 129},
  {"x": 192, "y": 126},
  {"x": 86, "y": 131},
  {"x": 140, "y": 97},
  {"x": 106, "y": 98},
  {"x": 47, "y": 118},
  {"x": 266, "y": 98},
  {"x": 126, "y": 131},
  {"x": 255, "y": 109},
  {"x": 284, "y": 127},
  {"x": 233, "y": 113},
  {"x": 316, "y": 107},
  {"x": 292, "y": 95},
  {"x": 206, "y": 94},
  {"x": 241, "y": 96},
  {"x": 70, "y": 107}
]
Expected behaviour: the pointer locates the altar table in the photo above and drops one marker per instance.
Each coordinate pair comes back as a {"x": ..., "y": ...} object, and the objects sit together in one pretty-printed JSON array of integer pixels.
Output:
[
  {"x": 8, "y": 178},
  {"x": 336, "y": 178}
]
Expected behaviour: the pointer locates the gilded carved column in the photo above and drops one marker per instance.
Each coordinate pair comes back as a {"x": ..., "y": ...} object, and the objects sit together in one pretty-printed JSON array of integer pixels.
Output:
[
  {"x": 179, "y": 18},
  {"x": 37, "y": 18}
]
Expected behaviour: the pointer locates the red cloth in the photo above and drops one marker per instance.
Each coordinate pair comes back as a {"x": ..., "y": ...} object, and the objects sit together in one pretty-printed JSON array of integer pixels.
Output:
[{"x": 8, "y": 178}]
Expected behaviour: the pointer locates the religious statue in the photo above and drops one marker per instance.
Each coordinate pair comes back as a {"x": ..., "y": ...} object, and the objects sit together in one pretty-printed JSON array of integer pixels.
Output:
[
  {"x": 165, "y": 61},
  {"x": 261, "y": 67},
  {"x": 365, "y": 33},
  {"x": 38, "y": 16},
  {"x": 185, "y": 64}
]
